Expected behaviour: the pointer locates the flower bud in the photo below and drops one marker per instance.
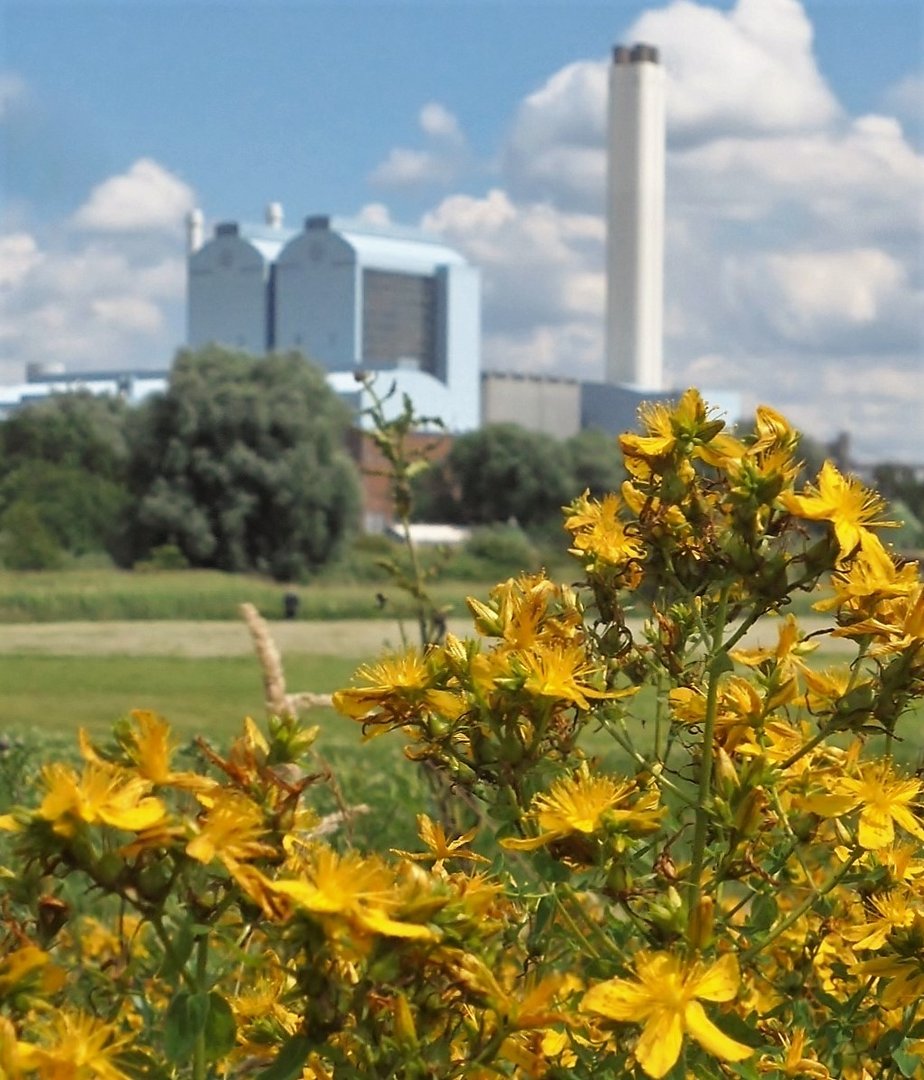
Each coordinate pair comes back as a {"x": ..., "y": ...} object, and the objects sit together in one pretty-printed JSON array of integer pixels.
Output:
[
  {"x": 405, "y": 1029},
  {"x": 699, "y": 931},
  {"x": 750, "y": 811}
]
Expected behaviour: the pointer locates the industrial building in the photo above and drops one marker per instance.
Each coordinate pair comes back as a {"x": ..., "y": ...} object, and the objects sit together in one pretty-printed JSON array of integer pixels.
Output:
[
  {"x": 404, "y": 306},
  {"x": 391, "y": 302}
]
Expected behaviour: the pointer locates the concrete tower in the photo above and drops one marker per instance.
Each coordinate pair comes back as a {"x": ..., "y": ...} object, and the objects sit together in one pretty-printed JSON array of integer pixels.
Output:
[
  {"x": 635, "y": 219},
  {"x": 195, "y": 231}
]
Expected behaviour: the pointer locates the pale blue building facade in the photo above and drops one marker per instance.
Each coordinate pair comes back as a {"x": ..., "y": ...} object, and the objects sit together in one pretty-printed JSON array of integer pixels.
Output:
[{"x": 394, "y": 303}]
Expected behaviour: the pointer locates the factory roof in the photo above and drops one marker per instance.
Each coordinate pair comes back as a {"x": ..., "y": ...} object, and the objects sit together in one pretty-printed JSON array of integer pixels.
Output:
[{"x": 398, "y": 246}]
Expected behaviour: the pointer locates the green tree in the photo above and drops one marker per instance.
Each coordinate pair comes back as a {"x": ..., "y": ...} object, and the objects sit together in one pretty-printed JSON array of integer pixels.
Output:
[
  {"x": 66, "y": 457},
  {"x": 596, "y": 462},
  {"x": 25, "y": 541},
  {"x": 81, "y": 511},
  {"x": 77, "y": 430},
  {"x": 241, "y": 465},
  {"x": 501, "y": 472}
]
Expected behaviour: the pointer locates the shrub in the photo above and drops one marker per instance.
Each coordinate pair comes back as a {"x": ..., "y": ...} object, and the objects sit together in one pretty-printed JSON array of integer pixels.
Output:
[
  {"x": 25, "y": 542},
  {"x": 743, "y": 898}
]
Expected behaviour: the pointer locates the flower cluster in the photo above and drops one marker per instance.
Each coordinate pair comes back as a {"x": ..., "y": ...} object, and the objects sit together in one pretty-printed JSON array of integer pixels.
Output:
[{"x": 684, "y": 838}]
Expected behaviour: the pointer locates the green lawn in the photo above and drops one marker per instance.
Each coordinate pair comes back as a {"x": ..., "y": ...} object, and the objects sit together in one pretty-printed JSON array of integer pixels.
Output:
[{"x": 114, "y": 595}]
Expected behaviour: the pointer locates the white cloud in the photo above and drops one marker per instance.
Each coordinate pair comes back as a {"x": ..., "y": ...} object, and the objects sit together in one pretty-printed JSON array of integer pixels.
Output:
[
  {"x": 542, "y": 267},
  {"x": 405, "y": 168},
  {"x": 107, "y": 294},
  {"x": 19, "y": 254},
  {"x": 146, "y": 198},
  {"x": 134, "y": 314},
  {"x": 376, "y": 214},
  {"x": 820, "y": 287},
  {"x": 439, "y": 164},
  {"x": 750, "y": 71},
  {"x": 794, "y": 232},
  {"x": 438, "y": 122},
  {"x": 906, "y": 97}
]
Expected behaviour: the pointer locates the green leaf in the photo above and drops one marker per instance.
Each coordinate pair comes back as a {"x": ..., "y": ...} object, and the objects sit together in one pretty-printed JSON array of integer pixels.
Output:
[
  {"x": 180, "y": 948},
  {"x": 763, "y": 912},
  {"x": 906, "y": 1063},
  {"x": 220, "y": 1028},
  {"x": 289, "y": 1061},
  {"x": 722, "y": 663},
  {"x": 178, "y": 1030}
]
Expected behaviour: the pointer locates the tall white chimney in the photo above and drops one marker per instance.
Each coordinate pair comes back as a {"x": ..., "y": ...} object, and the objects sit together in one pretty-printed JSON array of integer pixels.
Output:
[
  {"x": 635, "y": 219},
  {"x": 195, "y": 231}
]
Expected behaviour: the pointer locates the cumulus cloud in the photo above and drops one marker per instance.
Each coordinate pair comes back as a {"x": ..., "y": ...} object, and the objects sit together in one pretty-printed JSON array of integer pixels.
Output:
[
  {"x": 794, "y": 236},
  {"x": 438, "y": 122},
  {"x": 906, "y": 98},
  {"x": 542, "y": 268},
  {"x": 146, "y": 198},
  {"x": 746, "y": 72},
  {"x": 437, "y": 164},
  {"x": 107, "y": 293},
  {"x": 19, "y": 254}
]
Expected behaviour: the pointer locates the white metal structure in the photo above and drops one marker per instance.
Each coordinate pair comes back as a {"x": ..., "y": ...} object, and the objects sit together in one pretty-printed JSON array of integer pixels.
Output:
[{"x": 635, "y": 219}]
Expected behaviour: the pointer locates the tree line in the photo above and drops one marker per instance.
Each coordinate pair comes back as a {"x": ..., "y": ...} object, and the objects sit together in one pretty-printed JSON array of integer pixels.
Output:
[{"x": 240, "y": 465}]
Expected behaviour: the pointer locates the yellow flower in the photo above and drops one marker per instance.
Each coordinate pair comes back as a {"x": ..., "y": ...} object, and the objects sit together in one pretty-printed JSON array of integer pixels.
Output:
[
  {"x": 870, "y": 577},
  {"x": 585, "y": 804},
  {"x": 891, "y": 911},
  {"x": 739, "y": 709},
  {"x": 10, "y": 1058},
  {"x": 686, "y": 426},
  {"x": 399, "y": 688},
  {"x": 898, "y": 625},
  {"x": 796, "y": 1063},
  {"x": 884, "y": 799},
  {"x": 29, "y": 966},
  {"x": 230, "y": 830},
  {"x": 102, "y": 794},
  {"x": 360, "y": 889},
  {"x": 561, "y": 672},
  {"x": 842, "y": 501},
  {"x": 665, "y": 1000},
  {"x": 440, "y": 848},
  {"x": 74, "y": 1046},
  {"x": 599, "y": 534}
]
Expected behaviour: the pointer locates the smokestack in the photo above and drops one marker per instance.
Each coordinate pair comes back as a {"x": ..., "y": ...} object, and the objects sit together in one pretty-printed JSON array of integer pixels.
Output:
[
  {"x": 195, "y": 231},
  {"x": 635, "y": 219}
]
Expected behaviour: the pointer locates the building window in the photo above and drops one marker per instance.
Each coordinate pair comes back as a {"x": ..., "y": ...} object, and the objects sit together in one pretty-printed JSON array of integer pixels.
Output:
[{"x": 399, "y": 320}]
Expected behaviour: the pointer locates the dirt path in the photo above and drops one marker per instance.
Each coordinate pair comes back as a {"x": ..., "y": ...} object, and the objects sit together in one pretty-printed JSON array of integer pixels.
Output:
[{"x": 346, "y": 637}]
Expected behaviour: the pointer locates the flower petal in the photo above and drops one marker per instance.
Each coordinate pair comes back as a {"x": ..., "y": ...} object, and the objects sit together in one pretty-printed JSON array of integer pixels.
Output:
[
  {"x": 720, "y": 982},
  {"x": 618, "y": 999},
  {"x": 710, "y": 1038},
  {"x": 659, "y": 1046},
  {"x": 876, "y": 828}
]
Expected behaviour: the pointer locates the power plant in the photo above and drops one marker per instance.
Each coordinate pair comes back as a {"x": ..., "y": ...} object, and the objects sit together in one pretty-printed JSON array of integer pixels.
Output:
[{"x": 355, "y": 297}]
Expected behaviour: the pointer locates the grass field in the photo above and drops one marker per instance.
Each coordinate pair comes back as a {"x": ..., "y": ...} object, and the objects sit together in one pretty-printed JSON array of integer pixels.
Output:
[
  {"x": 108, "y": 595},
  {"x": 112, "y": 595}
]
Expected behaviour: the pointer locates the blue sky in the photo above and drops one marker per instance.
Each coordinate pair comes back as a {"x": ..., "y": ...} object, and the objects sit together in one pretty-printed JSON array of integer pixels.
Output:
[{"x": 795, "y": 175}]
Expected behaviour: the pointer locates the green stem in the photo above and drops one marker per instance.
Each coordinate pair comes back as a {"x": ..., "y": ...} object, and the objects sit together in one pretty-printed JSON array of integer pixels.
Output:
[
  {"x": 704, "y": 792},
  {"x": 656, "y": 768},
  {"x": 795, "y": 915},
  {"x": 199, "y": 1048},
  {"x": 164, "y": 938}
]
